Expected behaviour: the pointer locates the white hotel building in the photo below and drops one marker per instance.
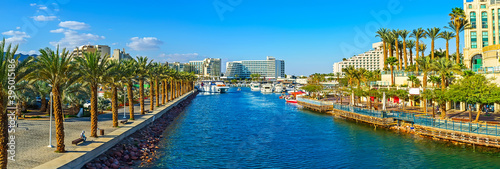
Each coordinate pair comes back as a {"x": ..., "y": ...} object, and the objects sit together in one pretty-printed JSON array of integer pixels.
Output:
[{"x": 269, "y": 68}]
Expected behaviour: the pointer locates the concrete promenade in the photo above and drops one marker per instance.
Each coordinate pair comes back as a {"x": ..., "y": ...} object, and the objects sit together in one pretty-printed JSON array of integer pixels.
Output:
[{"x": 32, "y": 138}]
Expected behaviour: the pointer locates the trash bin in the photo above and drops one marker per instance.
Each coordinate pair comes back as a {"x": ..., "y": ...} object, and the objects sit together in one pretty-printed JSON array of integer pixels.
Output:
[{"x": 102, "y": 132}]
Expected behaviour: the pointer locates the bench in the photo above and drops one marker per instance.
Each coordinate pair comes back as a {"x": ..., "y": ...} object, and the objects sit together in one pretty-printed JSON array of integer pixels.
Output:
[
  {"x": 124, "y": 121},
  {"x": 78, "y": 140}
]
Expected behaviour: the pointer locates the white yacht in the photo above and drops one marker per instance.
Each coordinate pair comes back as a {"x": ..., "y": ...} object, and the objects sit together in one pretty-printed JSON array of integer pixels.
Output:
[
  {"x": 254, "y": 86},
  {"x": 266, "y": 88},
  {"x": 213, "y": 86},
  {"x": 290, "y": 89},
  {"x": 278, "y": 88}
]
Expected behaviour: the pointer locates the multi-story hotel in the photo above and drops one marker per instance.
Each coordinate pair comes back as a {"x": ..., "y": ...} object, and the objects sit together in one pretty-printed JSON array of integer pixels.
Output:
[
  {"x": 209, "y": 67},
  {"x": 482, "y": 39},
  {"x": 120, "y": 55},
  {"x": 103, "y": 49},
  {"x": 269, "y": 68},
  {"x": 370, "y": 60}
]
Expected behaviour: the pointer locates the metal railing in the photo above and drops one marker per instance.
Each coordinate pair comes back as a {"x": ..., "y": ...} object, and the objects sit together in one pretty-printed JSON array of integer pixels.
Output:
[{"x": 315, "y": 102}]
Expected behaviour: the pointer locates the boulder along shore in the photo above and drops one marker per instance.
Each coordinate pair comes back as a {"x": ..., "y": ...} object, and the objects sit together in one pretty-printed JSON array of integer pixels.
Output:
[{"x": 139, "y": 148}]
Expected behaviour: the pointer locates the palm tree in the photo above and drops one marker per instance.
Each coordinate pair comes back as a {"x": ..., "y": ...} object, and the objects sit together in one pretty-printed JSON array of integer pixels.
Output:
[
  {"x": 382, "y": 33},
  {"x": 423, "y": 47},
  {"x": 143, "y": 66},
  {"x": 129, "y": 74},
  {"x": 404, "y": 34},
  {"x": 443, "y": 67},
  {"x": 433, "y": 34},
  {"x": 392, "y": 61},
  {"x": 458, "y": 24},
  {"x": 113, "y": 79},
  {"x": 417, "y": 34},
  {"x": 396, "y": 33},
  {"x": 350, "y": 74},
  {"x": 56, "y": 69},
  {"x": 410, "y": 44},
  {"x": 411, "y": 79},
  {"x": 92, "y": 67},
  {"x": 434, "y": 80},
  {"x": 425, "y": 64},
  {"x": 447, "y": 36},
  {"x": 390, "y": 40},
  {"x": 6, "y": 55}
]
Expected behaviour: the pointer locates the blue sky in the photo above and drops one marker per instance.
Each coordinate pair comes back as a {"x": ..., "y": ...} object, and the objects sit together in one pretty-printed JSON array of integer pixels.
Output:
[{"x": 309, "y": 36}]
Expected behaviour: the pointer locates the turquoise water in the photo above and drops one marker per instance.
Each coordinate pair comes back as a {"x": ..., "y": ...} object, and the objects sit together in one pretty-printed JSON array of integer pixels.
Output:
[{"x": 254, "y": 130}]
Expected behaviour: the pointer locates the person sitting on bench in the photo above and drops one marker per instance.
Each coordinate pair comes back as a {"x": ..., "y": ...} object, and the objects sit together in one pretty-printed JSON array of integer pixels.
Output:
[{"x": 82, "y": 136}]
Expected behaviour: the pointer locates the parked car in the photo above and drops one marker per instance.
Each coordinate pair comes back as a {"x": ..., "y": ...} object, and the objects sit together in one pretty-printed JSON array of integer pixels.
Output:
[{"x": 87, "y": 104}]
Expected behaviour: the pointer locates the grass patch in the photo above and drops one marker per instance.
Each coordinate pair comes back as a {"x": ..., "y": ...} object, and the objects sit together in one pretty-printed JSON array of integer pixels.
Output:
[{"x": 70, "y": 116}]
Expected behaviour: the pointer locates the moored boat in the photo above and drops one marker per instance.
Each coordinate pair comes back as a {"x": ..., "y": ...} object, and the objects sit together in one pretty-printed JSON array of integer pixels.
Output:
[
  {"x": 254, "y": 86},
  {"x": 213, "y": 86},
  {"x": 266, "y": 88}
]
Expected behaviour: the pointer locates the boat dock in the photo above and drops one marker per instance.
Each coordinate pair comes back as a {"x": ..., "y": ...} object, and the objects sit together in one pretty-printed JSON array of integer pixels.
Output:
[{"x": 465, "y": 132}]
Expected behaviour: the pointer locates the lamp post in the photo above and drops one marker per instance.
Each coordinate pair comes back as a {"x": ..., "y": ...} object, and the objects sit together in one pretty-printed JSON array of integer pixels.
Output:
[
  {"x": 50, "y": 121},
  {"x": 124, "y": 102}
]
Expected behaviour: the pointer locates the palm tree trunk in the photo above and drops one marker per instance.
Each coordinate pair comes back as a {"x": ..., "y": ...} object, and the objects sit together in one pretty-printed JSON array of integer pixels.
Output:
[
  {"x": 443, "y": 85},
  {"x": 151, "y": 95},
  {"x": 141, "y": 94},
  {"x": 424, "y": 85},
  {"x": 385, "y": 54},
  {"x": 416, "y": 55},
  {"x": 58, "y": 116},
  {"x": 397, "y": 53},
  {"x": 93, "y": 110},
  {"x": 170, "y": 90},
  {"x": 411, "y": 57},
  {"x": 4, "y": 133},
  {"x": 404, "y": 54},
  {"x": 157, "y": 85},
  {"x": 43, "y": 108},
  {"x": 432, "y": 49},
  {"x": 457, "y": 31},
  {"x": 447, "y": 50},
  {"x": 392, "y": 75},
  {"x": 164, "y": 92},
  {"x": 114, "y": 105},
  {"x": 130, "y": 101}
]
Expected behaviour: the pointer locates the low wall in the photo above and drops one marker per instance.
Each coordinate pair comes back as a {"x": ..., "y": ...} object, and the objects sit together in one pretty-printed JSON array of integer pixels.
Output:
[{"x": 81, "y": 156}]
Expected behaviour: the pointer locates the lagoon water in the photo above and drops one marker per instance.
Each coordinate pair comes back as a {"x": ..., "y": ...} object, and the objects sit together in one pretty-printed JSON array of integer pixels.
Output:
[{"x": 244, "y": 129}]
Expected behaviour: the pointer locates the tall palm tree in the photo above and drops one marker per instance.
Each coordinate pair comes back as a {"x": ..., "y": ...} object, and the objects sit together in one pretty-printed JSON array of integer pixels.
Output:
[
  {"x": 417, "y": 34},
  {"x": 447, "y": 36},
  {"x": 113, "y": 79},
  {"x": 433, "y": 34},
  {"x": 396, "y": 33},
  {"x": 382, "y": 33},
  {"x": 143, "y": 65},
  {"x": 411, "y": 79},
  {"x": 129, "y": 74},
  {"x": 392, "y": 61},
  {"x": 423, "y": 47},
  {"x": 410, "y": 44},
  {"x": 92, "y": 67},
  {"x": 55, "y": 68},
  {"x": 404, "y": 34},
  {"x": 390, "y": 41},
  {"x": 425, "y": 64},
  {"x": 458, "y": 24},
  {"x": 350, "y": 74}
]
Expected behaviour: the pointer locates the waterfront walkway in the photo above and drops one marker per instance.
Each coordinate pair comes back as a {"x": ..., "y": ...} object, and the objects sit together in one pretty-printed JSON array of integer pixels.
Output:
[{"x": 32, "y": 136}]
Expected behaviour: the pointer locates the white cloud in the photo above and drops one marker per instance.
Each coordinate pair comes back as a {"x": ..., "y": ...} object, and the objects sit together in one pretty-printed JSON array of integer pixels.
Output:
[
  {"x": 74, "y": 39},
  {"x": 17, "y": 37},
  {"x": 114, "y": 43},
  {"x": 42, "y": 7},
  {"x": 146, "y": 43},
  {"x": 44, "y": 18},
  {"x": 33, "y": 4},
  {"x": 74, "y": 25},
  {"x": 179, "y": 57},
  {"x": 18, "y": 27}
]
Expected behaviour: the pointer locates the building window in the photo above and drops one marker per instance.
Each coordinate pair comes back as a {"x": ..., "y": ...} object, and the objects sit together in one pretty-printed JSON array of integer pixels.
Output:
[
  {"x": 473, "y": 19},
  {"x": 485, "y": 38},
  {"x": 484, "y": 19},
  {"x": 470, "y": 6},
  {"x": 483, "y": 6},
  {"x": 473, "y": 39}
]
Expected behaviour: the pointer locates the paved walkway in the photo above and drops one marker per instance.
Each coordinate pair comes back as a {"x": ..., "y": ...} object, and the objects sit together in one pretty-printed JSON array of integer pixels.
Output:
[{"x": 32, "y": 137}]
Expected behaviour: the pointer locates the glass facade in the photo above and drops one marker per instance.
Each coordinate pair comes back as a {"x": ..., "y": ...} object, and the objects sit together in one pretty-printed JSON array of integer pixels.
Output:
[
  {"x": 484, "y": 19},
  {"x": 473, "y": 39},
  {"x": 473, "y": 19},
  {"x": 270, "y": 68},
  {"x": 485, "y": 38}
]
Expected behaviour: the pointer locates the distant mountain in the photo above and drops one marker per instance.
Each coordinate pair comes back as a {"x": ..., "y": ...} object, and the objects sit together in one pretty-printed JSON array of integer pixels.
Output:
[{"x": 23, "y": 56}]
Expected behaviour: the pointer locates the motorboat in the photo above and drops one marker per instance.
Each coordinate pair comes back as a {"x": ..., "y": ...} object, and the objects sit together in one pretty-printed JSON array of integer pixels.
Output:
[
  {"x": 266, "y": 88},
  {"x": 213, "y": 86},
  {"x": 278, "y": 88},
  {"x": 290, "y": 89},
  {"x": 254, "y": 86}
]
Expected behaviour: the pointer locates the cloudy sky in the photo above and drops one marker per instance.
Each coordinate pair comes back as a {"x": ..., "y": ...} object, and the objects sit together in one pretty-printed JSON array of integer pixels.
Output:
[{"x": 309, "y": 35}]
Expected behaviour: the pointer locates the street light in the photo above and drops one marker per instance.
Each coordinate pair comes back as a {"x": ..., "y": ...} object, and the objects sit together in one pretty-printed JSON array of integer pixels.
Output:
[
  {"x": 124, "y": 103},
  {"x": 50, "y": 122}
]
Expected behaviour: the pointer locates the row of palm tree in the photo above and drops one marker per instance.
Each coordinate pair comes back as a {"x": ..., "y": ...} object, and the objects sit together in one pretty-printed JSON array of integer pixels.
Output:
[
  {"x": 391, "y": 42},
  {"x": 69, "y": 77}
]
